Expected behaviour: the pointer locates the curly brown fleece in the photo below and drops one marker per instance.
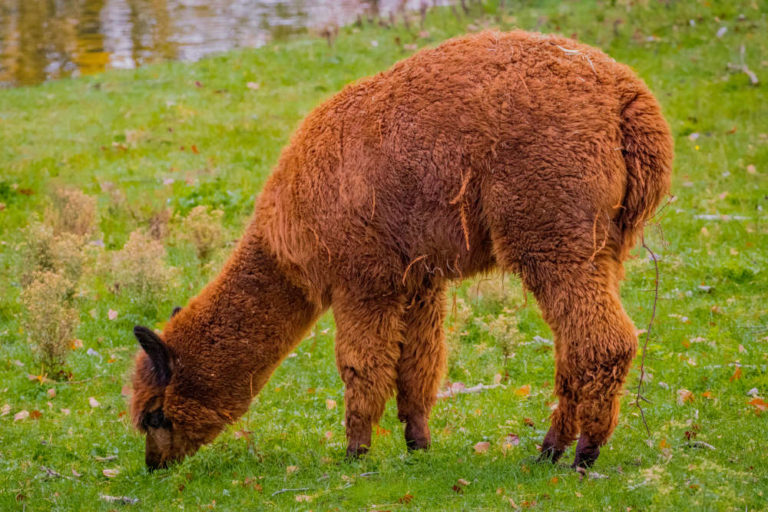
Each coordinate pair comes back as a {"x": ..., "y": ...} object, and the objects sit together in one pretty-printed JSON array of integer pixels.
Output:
[{"x": 526, "y": 152}]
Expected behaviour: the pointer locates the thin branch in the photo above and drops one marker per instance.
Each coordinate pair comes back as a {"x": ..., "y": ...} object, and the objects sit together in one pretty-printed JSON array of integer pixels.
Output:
[
  {"x": 647, "y": 336},
  {"x": 290, "y": 490}
]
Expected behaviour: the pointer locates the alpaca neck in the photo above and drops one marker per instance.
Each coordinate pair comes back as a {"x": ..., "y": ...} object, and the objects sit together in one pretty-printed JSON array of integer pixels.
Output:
[{"x": 244, "y": 324}]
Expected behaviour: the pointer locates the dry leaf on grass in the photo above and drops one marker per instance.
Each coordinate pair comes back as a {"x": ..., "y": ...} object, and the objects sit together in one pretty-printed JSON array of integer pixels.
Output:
[
  {"x": 523, "y": 390},
  {"x": 759, "y": 404},
  {"x": 684, "y": 396}
]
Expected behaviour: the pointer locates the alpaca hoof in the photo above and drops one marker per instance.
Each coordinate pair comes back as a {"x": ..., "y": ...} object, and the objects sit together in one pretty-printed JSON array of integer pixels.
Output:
[
  {"x": 586, "y": 453},
  {"x": 549, "y": 450},
  {"x": 550, "y": 454},
  {"x": 417, "y": 435},
  {"x": 417, "y": 444},
  {"x": 356, "y": 451}
]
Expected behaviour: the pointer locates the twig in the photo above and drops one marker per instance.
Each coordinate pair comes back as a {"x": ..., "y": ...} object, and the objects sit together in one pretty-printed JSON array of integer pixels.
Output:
[
  {"x": 52, "y": 473},
  {"x": 701, "y": 444},
  {"x": 125, "y": 500},
  {"x": 647, "y": 337},
  {"x": 461, "y": 391},
  {"x": 290, "y": 490}
]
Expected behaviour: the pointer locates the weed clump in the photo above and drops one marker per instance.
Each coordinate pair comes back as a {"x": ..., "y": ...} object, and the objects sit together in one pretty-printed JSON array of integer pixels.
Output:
[
  {"x": 460, "y": 314},
  {"x": 158, "y": 224},
  {"x": 72, "y": 212},
  {"x": 503, "y": 329},
  {"x": 139, "y": 269},
  {"x": 202, "y": 228},
  {"x": 50, "y": 319},
  {"x": 44, "y": 251}
]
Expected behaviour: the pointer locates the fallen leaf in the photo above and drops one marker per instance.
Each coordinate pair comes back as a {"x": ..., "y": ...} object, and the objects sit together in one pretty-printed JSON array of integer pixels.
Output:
[
  {"x": 759, "y": 404},
  {"x": 5, "y": 410},
  {"x": 93, "y": 402},
  {"x": 684, "y": 396},
  {"x": 663, "y": 444},
  {"x": 381, "y": 431},
  {"x": 303, "y": 498},
  {"x": 708, "y": 395},
  {"x": 291, "y": 469},
  {"x": 112, "y": 314},
  {"x": 462, "y": 482},
  {"x": 523, "y": 390},
  {"x": 243, "y": 434},
  {"x": 529, "y": 422},
  {"x": 35, "y": 414},
  {"x": 251, "y": 481},
  {"x": 104, "y": 459},
  {"x": 330, "y": 404},
  {"x": 76, "y": 343},
  {"x": 21, "y": 415},
  {"x": 52, "y": 393},
  {"x": 405, "y": 499},
  {"x": 110, "y": 473},
  {"x": 482, "y": 447},
  {"x": 736, "y": 374},
  {"x": 328, "y": 435},
  {"x": 751, "y": 169}
]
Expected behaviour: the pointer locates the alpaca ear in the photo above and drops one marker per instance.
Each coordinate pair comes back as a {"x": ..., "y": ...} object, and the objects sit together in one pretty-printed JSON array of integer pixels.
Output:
[
  {"x": 175, "y": 311},
  {"x": 157, "y": 352}
]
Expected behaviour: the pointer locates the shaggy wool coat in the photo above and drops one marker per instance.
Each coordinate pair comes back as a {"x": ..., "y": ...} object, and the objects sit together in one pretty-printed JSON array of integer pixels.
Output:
[{"x": 519, "y": 151}]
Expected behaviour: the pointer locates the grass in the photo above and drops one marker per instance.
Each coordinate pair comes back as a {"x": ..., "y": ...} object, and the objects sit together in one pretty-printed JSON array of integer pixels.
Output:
[{"x": 175, "y": 136}]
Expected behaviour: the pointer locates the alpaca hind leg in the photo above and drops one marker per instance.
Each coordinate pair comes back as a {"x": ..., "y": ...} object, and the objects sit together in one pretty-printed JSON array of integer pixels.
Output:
[
  {"x": 368, "y": 338},
  {"x": 596, "y": 344},
  {"x": 421, "y": 364}
]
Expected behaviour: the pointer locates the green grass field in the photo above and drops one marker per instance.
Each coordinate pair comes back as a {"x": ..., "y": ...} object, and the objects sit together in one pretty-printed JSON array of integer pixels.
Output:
[{"x": 174, "y": 136}]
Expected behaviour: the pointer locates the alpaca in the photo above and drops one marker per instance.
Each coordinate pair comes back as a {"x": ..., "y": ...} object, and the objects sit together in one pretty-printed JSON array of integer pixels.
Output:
[{"x": 520, "y": 151}]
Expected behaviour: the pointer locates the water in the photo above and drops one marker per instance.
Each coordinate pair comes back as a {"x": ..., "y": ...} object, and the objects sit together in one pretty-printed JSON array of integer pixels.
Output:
[{"x": 47, "y": 39}]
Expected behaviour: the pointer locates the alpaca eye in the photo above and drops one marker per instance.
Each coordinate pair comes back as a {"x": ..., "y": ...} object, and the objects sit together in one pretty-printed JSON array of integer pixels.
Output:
[{"x": 156, "y": 419}]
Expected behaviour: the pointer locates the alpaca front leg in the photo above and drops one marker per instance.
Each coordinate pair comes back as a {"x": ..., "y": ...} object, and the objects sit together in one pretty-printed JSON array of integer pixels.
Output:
[
  {"x": 368, "y": 338},
  {"x": 598, "y": 408},
  {"x": 421, "y": 365},
  {"x": 564, "y": 426}
]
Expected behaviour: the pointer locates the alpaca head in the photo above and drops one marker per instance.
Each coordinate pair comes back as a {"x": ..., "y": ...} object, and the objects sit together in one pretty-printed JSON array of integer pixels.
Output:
[{"x": 165, "y": 405}]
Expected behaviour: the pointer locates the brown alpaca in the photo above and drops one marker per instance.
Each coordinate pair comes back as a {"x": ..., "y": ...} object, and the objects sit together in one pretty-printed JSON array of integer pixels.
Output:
[{"x": 521, "y": 151}]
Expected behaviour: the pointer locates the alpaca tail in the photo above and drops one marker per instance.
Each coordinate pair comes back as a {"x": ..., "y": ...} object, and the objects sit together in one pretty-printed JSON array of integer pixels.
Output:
[{"x": 648, "y": 152}]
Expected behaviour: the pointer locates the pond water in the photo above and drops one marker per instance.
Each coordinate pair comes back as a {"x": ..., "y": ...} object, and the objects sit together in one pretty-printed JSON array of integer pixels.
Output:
[{"x": 47, "y": 39}]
